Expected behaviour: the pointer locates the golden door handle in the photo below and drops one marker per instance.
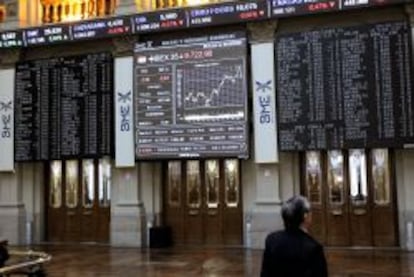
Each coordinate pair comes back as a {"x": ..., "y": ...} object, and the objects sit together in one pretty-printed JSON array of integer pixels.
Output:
[
  {"x": 193, "y": 212},
  {"x": 212, "y": 212},
  {"x": 337, "y": 212},
  {"x": 359, "y": 211}
]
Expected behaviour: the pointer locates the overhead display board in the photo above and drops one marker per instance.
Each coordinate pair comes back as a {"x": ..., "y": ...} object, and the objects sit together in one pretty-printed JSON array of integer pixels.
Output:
[
  {"x": 64, "y": 108},
  {"x": 48, "y": 35},
  {"x": 224, "y": 13},
  {"x": 191, "y": 97},
  {"x": 282, "y": 8},
  {"x": 346, "y": 87}
]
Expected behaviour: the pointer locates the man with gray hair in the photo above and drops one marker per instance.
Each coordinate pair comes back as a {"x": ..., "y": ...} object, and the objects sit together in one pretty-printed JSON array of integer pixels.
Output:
[{"x": 293, "y": 252}]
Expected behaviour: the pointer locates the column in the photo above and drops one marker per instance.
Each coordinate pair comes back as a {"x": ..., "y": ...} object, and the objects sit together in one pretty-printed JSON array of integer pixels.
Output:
[
  {"x": 404, "y": 161},
  {"x": 12, "y": 15},
  {"x": 150, "y": 187},
  {"x": 131, "y": 6},
  {"x": 2, "y": 13},
  {"x": 266, "y": 182},
  {"x": 12, "y": 216},
  {"x": 55, "y": 13},
  {"x": 33, "y": 188},
  {"x": 409, "y": 8},
  {"x": 11, "y": 208},
  {"x": 113, "y": 6},
  {"x": 91, "y": 9},
  {"x": 128, "y": 223},
  {"x": 127, "y": 215},
  {"x": 100, "y": 8}
]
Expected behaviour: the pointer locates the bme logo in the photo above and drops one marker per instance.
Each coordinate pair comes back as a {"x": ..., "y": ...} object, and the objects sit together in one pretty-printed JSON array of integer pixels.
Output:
[
  {"x": 5, "y": 106},
  {"x": 6, "y": 117},
  {"x": 264, "y": 99},
  {"x": 125, "y": 110}
]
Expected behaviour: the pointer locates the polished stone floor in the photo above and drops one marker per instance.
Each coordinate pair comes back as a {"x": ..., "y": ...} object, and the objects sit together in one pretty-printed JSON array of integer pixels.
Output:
[{"x": 103, "y": 261}]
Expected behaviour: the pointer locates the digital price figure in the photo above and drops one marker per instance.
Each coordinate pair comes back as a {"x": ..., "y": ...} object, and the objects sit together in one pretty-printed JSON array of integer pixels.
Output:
[{"x": 292, "y": 7}]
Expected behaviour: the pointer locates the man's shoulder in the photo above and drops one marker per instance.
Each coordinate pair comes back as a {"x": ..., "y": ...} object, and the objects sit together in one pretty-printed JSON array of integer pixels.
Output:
[
  {"x": 312, "y": 243},
  {"x": 283, "y": 235},
  {"x": 276, "y": 236}
]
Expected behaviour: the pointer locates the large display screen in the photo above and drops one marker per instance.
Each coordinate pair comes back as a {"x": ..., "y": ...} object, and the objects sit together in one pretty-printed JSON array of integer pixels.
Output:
[
  {"x": 346, "y": 88},
  {"x": 64, "y": 108},
  {"x": 191, "y": 97}
]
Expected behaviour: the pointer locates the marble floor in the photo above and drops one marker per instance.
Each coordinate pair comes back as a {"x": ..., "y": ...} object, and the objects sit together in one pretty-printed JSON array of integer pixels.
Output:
[{"x": 104, "y": 261}]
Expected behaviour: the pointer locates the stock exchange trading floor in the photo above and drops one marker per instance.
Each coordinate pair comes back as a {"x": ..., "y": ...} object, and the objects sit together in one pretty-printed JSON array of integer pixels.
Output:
[{"x": 104, "y": 261}]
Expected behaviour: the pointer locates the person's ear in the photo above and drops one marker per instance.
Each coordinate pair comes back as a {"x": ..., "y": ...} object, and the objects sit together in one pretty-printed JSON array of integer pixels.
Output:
[{"x": 305, "y": 216}]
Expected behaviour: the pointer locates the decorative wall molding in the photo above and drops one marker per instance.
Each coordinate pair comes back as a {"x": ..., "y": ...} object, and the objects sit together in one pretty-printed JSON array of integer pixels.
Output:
[
  {"x": 262, "y": 31},
  {"x": 124, "y": 46},
  {"x": 8, "y": 57},
  {"x": 410, "y": 11}
]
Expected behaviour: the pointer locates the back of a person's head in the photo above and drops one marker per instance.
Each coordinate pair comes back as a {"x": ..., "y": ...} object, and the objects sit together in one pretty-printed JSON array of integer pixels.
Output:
[{"x": 294, "y": 210}]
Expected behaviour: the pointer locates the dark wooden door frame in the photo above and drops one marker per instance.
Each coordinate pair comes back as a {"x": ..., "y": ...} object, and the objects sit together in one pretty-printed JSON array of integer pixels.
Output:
[
  {"x": 203, "y": 225},
  {"x": 373, "y": 225},
  {"x": 76, "y": 224}
]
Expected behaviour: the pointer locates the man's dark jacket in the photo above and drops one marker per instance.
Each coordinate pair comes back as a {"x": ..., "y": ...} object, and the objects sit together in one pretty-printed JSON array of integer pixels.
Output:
[
  {"x": 4, "y": 254},
  {"x": 293, "y": 253}
]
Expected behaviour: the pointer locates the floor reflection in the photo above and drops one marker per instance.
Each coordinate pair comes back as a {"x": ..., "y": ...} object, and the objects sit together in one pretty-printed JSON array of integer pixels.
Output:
[{"x": 96, "y": 260}]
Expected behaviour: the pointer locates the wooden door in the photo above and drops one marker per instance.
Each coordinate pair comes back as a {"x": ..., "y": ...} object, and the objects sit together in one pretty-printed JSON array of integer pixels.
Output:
[
  {"x": 232, "y": 205},
  {"x": 202, "y": 201},
  {"x": 337, "y": 215},
  {"x": 360, "y": 198},
  {"x": 213, "y": 202},
  {"x": 384, "y": 212},
  {"x": 72, "y": 216},
  {"x": 55, "y": 210},
  {"x": 88, "y": 203},
  {"x": 103, "y": 203},
  {"x": 193, "y": 209},
  {"x": 79, "y": 201},
  {"x": 314, "y": 190},
  {"x": 173, "y": 200},
  {"x": 358, "y": 205}
]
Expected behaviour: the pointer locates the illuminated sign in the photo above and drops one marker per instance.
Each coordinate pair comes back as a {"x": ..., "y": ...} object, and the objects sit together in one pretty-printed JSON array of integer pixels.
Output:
[
  {"x": 101, "y": 28},
  {"x": 48, "y": 35},
  {"x": 186, "y": 17}
]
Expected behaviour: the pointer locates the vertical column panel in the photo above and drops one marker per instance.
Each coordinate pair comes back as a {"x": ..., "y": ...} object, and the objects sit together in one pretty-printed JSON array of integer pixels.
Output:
[
  {"x": 124, "y": 134},
  {"x": 7, "y": 120},
  {"x": 264, "y": 107}
]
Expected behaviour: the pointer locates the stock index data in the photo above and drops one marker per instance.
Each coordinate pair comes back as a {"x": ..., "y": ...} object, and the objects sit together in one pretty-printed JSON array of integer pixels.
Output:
[{"x": 191, "y": 98}]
